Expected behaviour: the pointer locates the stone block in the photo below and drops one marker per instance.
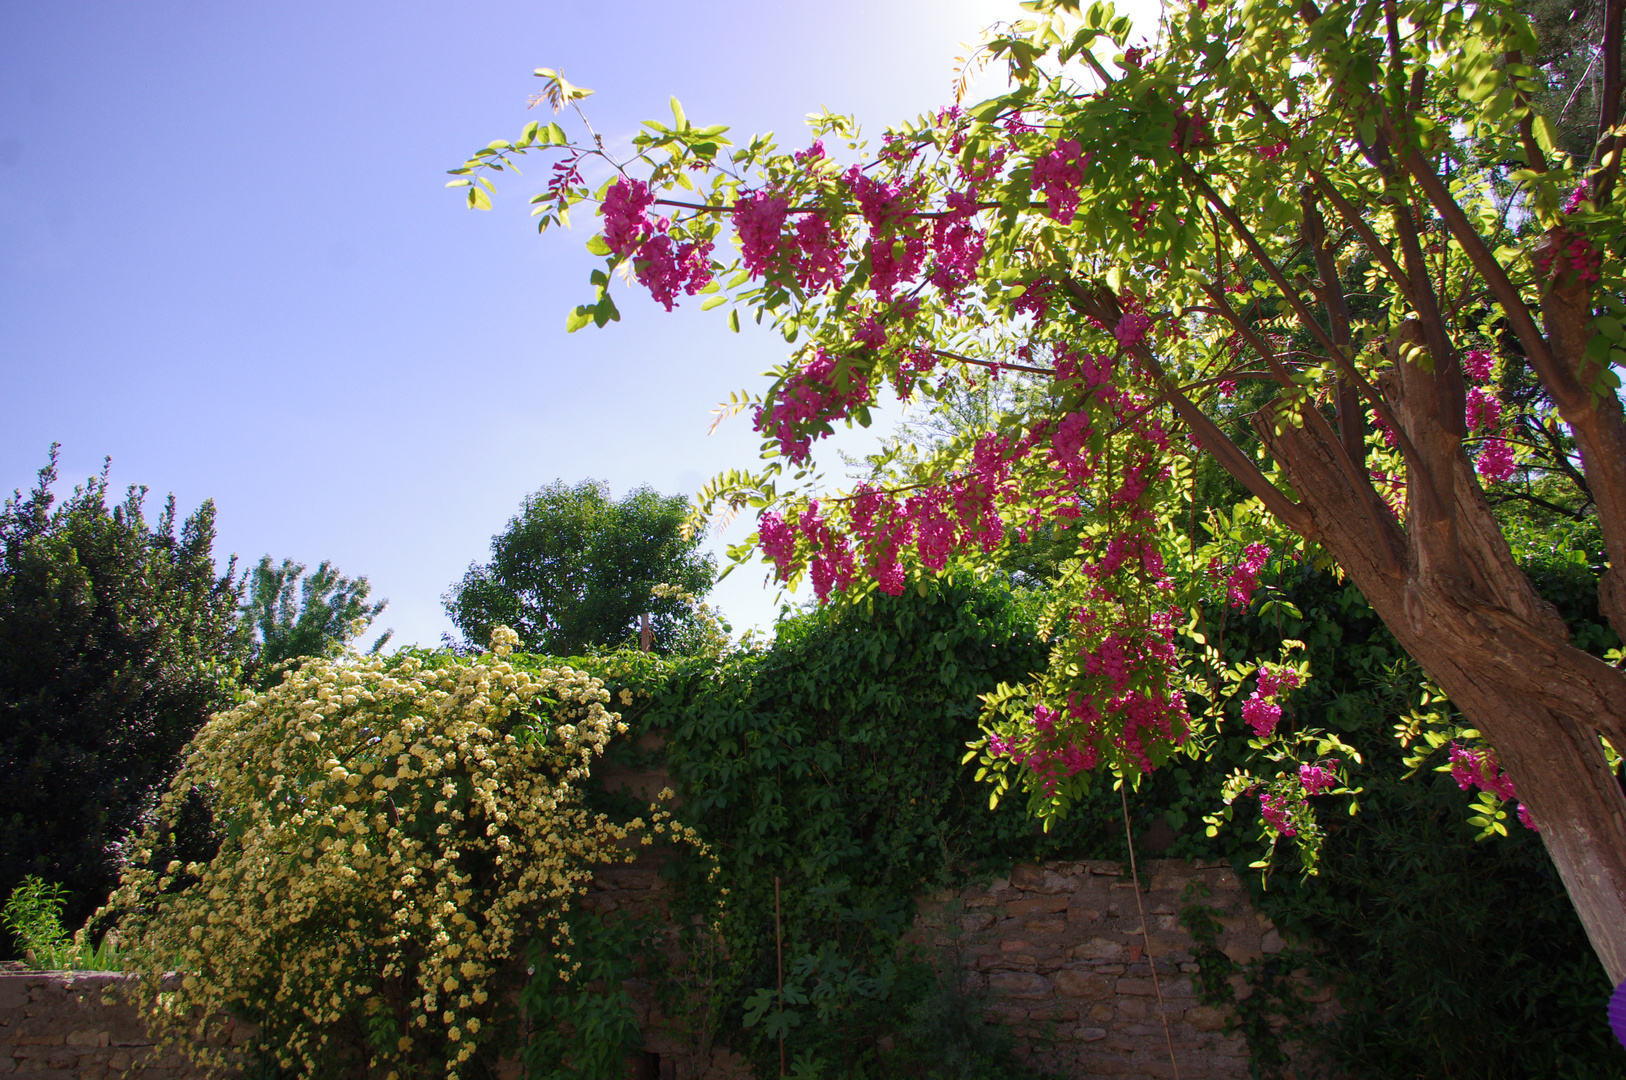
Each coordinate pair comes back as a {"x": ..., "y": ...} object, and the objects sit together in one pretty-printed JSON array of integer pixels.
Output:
[
  {"x": 1102, "y": 1013},
  {"x": 976, "y": 922},
  {"x": 1082, "y": 984},
  {"x": 1098, "y": 949},
  {"x": 1091, "y": 1034},
  {"x": 1078, "y": 913},
  {"x": 1131, "y": 1008},
  {"x": 1027, "y": 877},
  {"x": 1136, "y": 987},
  {"x": 1271, "y": 943},
  {"x": 1046, "y": 924},
  {"x": 1053, "y": 882},
  {"x": 1025, "y": 985},
  {"x": 87, "y": 1037},
  {"x": 1037, "y": 905},
  {"x": 1206, "y": 1017}
]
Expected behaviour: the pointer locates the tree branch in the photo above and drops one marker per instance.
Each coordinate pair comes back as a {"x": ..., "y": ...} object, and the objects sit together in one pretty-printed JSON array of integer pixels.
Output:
[
  {"x": 1407, "y": 448},
  {"x": 1561, "y": 383},
  {"x": 1603, "y": 182},
  {"x": 1204, "y": 431}
]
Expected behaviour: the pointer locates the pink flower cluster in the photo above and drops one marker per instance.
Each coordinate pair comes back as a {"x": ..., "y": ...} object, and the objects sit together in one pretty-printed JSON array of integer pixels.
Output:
[
  {"x": 1575, "y": 250},
  {"x": 1059, "y": 174},
  {"x": 759, "y": 222},
  {"x": 808, "y": 399},
  {"x": 1315, "y": 778},
  {"x": 1577, "y": 197},
  {"x": 1261, "y": 710},
  {"x": 1272, "y": 151},
  {"x": 938, "y": 520},
  {"x": 1496, "y": 460},
  {"x": 1479, "y": 769},
  {"x": 1244, "y": 578},
  {"x": 1476, "y": 364},
  {"x": 1275, "y": 810},
  {"x": 1484, "y": 409},
  {"x": 664, "y": 268},
  {"x": 1133, "y": 324},
  {"x": 1038, "y": 750},
  {"x": 626, "y": 219},
  {"x": 957, "y": 245}
]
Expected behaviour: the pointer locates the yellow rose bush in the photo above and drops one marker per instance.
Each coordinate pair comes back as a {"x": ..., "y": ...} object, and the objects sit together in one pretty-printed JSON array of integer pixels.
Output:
[{"x": 392, "y": 834}]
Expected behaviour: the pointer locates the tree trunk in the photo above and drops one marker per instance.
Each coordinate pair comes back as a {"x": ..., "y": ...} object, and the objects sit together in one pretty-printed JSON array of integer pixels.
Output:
[{"x": 1448, "y": 589}]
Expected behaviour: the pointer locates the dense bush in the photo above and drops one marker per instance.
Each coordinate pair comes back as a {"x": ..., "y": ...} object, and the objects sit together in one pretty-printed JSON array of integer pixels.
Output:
[
  {"x": 393, "y": 834},
  {"x": 831, "y": 761},
  {"x": 118, "y": 638}
]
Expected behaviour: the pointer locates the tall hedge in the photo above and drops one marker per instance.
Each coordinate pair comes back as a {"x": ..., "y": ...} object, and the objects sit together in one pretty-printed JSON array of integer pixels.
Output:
[{"x": 118, "y": 638}]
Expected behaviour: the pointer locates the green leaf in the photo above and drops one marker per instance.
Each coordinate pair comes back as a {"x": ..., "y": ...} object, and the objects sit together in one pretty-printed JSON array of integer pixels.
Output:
[
  {"x": 677, "y": 114},
  {"x": 597, "y": 245},
  {"x": 1543, "y": 128},
  {"x": 579, "y": 317}
]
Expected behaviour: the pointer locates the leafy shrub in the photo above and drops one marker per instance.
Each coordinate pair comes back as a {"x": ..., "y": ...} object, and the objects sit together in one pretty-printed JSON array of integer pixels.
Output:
[
  {"x": 33, "y": 913},
  {"x": 392, "y": 833}
]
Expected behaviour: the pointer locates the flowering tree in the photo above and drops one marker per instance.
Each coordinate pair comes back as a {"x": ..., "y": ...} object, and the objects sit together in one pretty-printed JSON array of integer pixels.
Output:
[{"x": 1358, "y": 208}]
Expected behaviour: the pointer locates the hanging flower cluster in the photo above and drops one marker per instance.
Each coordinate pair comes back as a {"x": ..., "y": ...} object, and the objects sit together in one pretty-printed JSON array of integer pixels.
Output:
[
  {"x": 1472, "y": 768},
  {"x": 663, "y": 266}
]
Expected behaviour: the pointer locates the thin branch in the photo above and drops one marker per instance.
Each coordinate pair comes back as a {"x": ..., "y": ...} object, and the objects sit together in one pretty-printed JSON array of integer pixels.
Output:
[
  {"x": 1450, "y": 394},
  {"x": 997, "y": 365},
  {"x": 1351, "y": 418},
  {"x": 1407, "y": 448},
  {"x": 1560, "y": 382},
  {"x": 1353, "y": 466},
  {"x": 1507, "y": 495},
  {"x": 1603, "y": 182},
  {"x": 1352, "y": 218},
  {"x": 1533, "y": 156}
]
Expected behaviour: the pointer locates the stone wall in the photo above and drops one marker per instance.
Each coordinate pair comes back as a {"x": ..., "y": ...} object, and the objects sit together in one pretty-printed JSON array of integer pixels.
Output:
[
  {"x": 77, "y": 1025},
  {"x": 1058, "y": 951},
  {"x": 1056, "y": 948}
]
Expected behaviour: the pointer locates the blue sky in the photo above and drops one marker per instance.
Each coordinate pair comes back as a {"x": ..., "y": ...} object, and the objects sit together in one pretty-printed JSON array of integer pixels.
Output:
[{"x": 228, "y": 261}]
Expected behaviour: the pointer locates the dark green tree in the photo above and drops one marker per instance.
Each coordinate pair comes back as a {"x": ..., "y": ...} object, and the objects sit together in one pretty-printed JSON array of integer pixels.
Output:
[
  {"x": 117, "y": 640},
  {"x": 290, "y": 614},
  {"x": 575, "y": 569}
]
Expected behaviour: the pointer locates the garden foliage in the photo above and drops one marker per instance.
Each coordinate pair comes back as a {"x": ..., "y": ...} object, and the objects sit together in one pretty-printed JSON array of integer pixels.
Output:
[
  {"x": 832, "y": 761},
  {"x": 118, "y": 638}
]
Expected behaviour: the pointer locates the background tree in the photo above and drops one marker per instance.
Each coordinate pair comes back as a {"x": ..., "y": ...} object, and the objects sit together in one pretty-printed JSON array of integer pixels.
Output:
[
  {"x": 1361, "y": 208},
  {"x": 576, "y": 569},
  {"x": 117, "y": 640},
  {"x": 290, "y": 614}
]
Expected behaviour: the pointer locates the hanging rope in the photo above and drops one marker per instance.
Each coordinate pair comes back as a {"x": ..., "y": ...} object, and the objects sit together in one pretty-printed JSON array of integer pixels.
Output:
[{"x": 1145, "y": 936}]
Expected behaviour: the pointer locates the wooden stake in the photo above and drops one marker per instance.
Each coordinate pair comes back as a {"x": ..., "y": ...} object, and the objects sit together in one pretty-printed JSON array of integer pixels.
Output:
[{"x": 779, "y": 939}]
